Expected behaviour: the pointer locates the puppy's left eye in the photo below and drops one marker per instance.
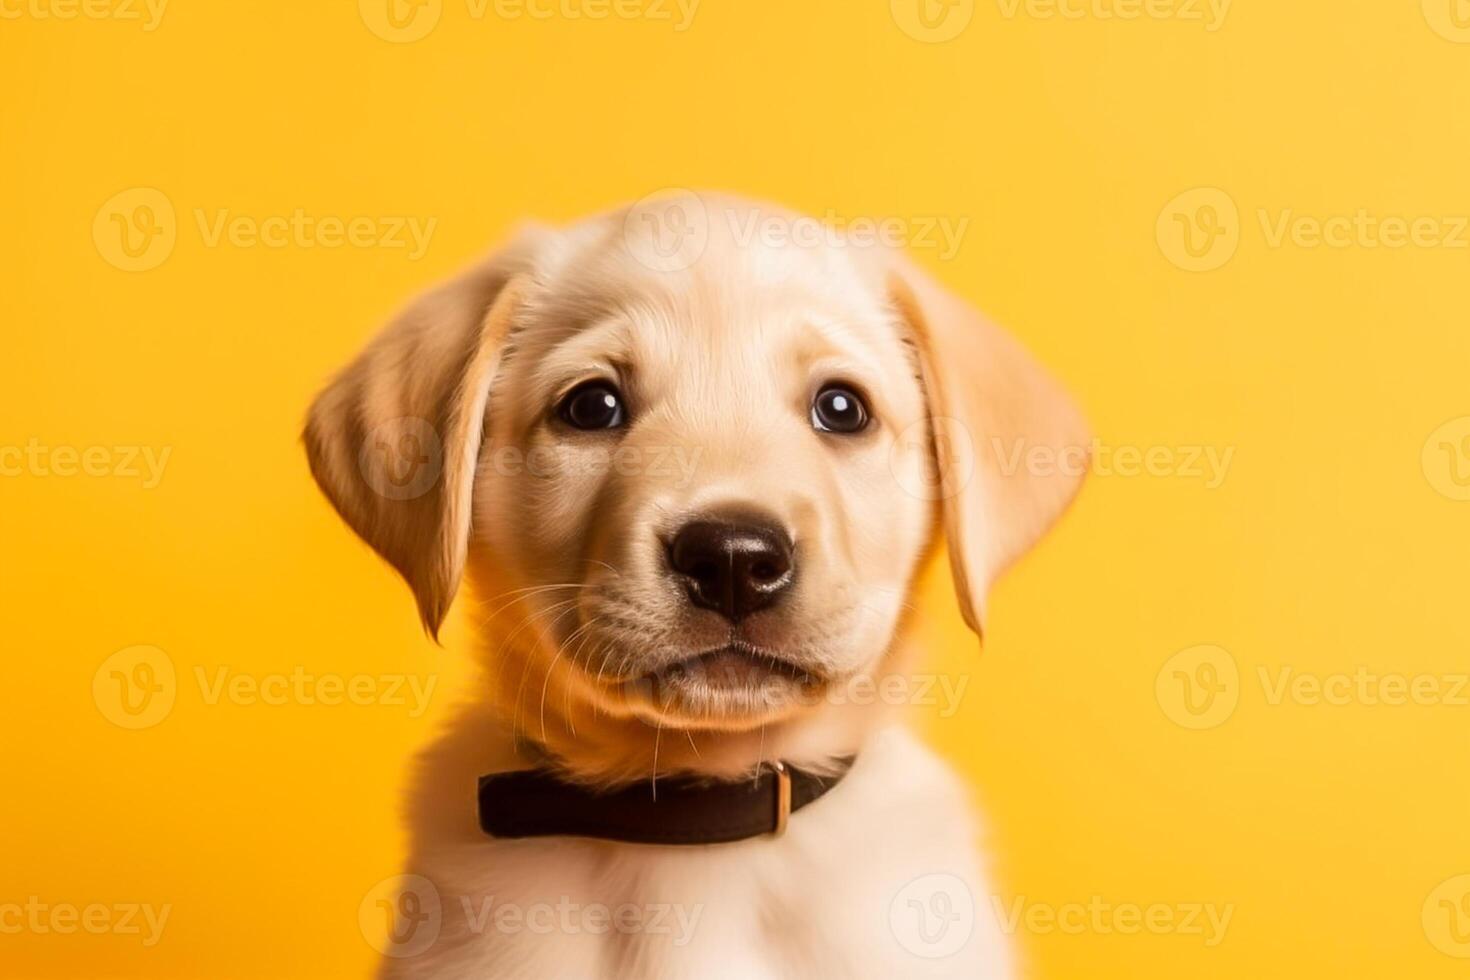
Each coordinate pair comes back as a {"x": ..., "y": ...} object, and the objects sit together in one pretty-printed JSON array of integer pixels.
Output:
[
  {"x": 594, "y": 405},
  {"x": 837, "y": 408}
]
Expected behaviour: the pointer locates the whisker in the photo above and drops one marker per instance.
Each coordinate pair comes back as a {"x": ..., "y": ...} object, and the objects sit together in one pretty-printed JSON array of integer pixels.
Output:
[
  {"x": 551, "y": 668},
  {"x": 523, "y": 594},
  {"x": 598, "y": 561},
  {"x": 515, "y": 725}
]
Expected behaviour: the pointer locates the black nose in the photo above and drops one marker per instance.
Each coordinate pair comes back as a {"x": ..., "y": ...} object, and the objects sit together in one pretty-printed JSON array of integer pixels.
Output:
[{"x": 732, "y": 567}]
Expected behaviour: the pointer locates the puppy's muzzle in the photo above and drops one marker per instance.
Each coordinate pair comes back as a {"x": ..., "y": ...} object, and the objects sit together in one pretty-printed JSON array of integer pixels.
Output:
[{"x": 733, "y": 565}]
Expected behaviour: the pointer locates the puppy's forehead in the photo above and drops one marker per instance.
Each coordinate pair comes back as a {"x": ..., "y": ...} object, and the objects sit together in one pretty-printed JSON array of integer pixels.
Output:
[{"x": 742, "y": 297}]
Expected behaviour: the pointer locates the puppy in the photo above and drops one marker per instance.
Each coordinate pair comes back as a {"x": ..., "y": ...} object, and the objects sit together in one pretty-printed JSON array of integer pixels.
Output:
[{"x": 689, "y": 470}]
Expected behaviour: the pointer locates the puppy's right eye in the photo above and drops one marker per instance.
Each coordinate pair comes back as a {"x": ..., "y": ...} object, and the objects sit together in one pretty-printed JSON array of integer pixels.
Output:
[{"x": 594, "y": 405}]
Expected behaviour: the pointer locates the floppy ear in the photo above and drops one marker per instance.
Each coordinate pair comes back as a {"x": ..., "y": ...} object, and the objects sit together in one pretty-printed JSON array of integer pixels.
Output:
[
  {"x": 1010, "y": 447},
  {"x": 394, "y": 439}
]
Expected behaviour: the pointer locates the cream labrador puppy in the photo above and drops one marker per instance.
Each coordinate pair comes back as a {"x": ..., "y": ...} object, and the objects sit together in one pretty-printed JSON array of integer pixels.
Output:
[{"x": 689, "y": 468}]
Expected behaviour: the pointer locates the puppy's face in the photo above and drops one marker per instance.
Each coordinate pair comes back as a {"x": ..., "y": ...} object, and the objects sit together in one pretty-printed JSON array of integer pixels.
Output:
[
  {"x": 701, "y": 485},
  {"x": 704, "y": 471}
]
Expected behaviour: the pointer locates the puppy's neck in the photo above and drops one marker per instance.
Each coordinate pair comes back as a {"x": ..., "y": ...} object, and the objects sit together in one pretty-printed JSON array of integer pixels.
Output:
[{"x": 559, "y": 720}]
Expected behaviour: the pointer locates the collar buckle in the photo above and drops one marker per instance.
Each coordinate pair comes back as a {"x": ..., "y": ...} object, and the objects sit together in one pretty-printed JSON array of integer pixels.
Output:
[{"x": 783, "y": 797}]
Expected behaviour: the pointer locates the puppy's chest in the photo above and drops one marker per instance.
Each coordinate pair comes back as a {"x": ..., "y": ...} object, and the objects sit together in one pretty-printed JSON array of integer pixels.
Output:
[
  {"x": 816, "y": 902},
  {"x": 812, "y": 903}
]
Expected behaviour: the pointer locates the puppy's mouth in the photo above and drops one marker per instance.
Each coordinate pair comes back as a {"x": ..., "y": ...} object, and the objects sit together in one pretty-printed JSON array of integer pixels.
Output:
[
  {"x": 735, "y": 684},
  {"x": 738, "y": 664}
]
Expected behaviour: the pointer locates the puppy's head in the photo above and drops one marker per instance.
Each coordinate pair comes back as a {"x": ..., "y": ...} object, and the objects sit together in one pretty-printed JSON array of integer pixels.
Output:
[{"x": 701, "y": 461}]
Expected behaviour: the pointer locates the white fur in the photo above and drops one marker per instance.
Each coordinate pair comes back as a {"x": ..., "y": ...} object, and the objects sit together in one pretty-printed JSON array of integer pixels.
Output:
[{"x": 816, "y": 902}]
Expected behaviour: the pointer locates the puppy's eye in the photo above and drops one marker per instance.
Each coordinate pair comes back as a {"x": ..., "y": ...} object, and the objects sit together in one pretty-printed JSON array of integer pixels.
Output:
[
  {"x": 837, "y": 408},
  {"x": 594, "y": 405}
]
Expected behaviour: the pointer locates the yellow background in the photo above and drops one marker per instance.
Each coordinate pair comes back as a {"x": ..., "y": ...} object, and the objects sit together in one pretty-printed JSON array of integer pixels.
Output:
[{"x": 1334, "y": 542}]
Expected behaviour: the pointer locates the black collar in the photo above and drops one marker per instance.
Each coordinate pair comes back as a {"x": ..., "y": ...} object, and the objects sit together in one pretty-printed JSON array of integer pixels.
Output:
[{"x": 679, "y": 810}]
